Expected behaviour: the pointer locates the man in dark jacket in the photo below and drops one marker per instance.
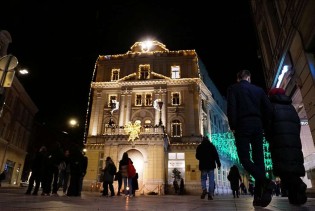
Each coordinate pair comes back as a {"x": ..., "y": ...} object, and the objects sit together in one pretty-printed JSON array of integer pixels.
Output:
[
  {"x": 248, "y": 109},
  {"x": 208, "y": 158},
  {"x": 283, "y": 135}
]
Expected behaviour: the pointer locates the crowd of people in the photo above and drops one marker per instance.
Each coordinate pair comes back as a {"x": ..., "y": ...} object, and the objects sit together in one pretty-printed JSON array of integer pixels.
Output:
[
  {"x": 124, "y": 175},
  {"x": 55, "y": 168}
]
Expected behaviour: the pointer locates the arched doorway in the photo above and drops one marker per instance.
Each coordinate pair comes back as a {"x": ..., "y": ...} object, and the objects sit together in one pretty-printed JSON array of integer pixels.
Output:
[{"x": 138, "y": 161}]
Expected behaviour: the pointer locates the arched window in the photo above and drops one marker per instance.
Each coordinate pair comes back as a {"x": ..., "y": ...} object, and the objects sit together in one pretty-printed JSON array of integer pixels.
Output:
[{"x": 176, "y": 128}]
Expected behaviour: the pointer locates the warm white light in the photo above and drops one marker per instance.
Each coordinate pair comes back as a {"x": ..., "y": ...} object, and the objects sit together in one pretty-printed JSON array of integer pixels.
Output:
[
  {"x": 146, "y": 45},
  {"x": 73, "y": 122},
  {"x": 23, "y": 71}
]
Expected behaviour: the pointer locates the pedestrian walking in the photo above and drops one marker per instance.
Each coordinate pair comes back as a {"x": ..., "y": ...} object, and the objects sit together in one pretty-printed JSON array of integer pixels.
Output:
[
  {"x": 248, "y": 110},
  {"x": 208, "y": 158},
  {"x": 285, "y": 146},
  {"x": 235, "y": 178}
]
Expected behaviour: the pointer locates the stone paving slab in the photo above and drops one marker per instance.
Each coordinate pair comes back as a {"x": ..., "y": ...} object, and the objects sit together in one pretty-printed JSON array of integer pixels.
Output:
[{"x": 15, "y": 200}]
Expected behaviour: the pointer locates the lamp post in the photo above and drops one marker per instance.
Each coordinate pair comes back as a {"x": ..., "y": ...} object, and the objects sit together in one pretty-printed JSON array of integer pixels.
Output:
[{"x": 160, "y": 103}]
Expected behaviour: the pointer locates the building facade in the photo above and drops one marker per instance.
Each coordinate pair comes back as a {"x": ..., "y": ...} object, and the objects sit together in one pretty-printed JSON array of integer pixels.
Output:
[
  {"x": 16, "y": 123},
  {"x": 286, "y": 34},
  {"x": 153, "y": 103},
  {"x": 17, "y": 112}
]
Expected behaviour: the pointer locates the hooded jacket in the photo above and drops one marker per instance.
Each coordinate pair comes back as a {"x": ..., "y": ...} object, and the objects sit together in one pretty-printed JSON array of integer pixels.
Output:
[
  {"x": 207, "y": 155},
  {"x": 283, "y": 134}
]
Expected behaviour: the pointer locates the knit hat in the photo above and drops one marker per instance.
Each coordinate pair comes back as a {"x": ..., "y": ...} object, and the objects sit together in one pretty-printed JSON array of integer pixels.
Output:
[{"x": 276, "y": 91}]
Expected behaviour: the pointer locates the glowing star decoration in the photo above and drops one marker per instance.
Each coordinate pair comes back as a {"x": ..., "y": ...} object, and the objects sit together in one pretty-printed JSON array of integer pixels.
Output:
[{"x": 133, "y": 130}]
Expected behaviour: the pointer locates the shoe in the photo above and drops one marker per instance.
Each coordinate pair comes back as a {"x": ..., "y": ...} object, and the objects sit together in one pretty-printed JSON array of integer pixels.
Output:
[
  {"x": 297, "y": 196},
  {"x": 204, "y": 193},
  {"x": 267, "y": 193},
  {"x": 210, "y": 197},
  {"x": 28, "y": 193},
  {"x": 34, "y": 194},
  {"x": 54, "y": 194}
]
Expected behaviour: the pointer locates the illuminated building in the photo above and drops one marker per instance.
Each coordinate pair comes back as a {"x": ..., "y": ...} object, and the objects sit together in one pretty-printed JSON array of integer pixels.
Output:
[
  {"x": 155, "y": 104},
  {"x": 17, "y": 113},
  {"x": 285, "y": 31}
]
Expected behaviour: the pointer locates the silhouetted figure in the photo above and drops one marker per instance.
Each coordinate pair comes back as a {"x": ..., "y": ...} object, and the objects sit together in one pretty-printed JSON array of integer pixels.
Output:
[
  {"x": 235, "y": 178},
  {"x": 123, "y": 167},
  {"x": 119, "y": 180},
  {"x": 76, "y": 171},
  {"x": 181, "y": 187},
  {"x": 37, "y": 170},
  {"x": 248, "y": 111},
  {"x": 56, "y": 158},
  {"x": 64, "y": 172},
  {"x": 285, "y": 146},
  {"x": 208, "y": 158},
  {"x": 109, "y": 173},
  {"x": 135, "y": 184},
  {"x": 176, "y": 186}
]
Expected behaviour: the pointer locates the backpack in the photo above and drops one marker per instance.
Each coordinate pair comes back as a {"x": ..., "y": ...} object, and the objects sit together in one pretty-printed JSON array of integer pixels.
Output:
[{"x": 131, "y": 170}]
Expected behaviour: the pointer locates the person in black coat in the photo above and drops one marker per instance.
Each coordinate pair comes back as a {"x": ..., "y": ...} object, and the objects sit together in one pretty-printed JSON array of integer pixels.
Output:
[
  {"x": 234, "y": 177},
  {"x": 208, "y": 158},
  {"x": 135, "y": 184},
  {"x": 109, "y": 173},
  {"x": 248, "y": 111},
  {"x": 283, "y": 135},
  {"x": 37, "y": 171}
]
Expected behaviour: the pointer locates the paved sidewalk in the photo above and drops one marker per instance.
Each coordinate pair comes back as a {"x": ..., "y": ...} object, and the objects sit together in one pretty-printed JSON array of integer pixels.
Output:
[{"x": 15, "y": 199}]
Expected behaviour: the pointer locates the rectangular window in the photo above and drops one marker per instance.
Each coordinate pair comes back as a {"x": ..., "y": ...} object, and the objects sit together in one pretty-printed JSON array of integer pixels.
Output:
[
  {"x": 144, "y": 71},
  {"x": 115, "y": 74},
  {"x": 176, "y": 130},
  {"x": 110, "y": 98},
  {"x": 176, "y": 98},
  {"x": 138, "y": 100},
  {"x": 175, "y": 72},
  {"x": 148, "y": 99}
]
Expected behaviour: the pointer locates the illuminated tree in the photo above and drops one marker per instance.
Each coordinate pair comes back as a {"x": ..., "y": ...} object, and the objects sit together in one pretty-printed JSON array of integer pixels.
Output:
[{"x": 225, "y": 144}]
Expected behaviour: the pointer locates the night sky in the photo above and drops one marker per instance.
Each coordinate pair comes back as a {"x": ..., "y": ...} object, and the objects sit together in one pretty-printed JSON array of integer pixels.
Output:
[{"x": 59, "y": 42}]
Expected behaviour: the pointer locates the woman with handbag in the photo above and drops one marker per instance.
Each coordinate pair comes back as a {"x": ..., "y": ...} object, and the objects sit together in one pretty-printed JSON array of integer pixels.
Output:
[{"x": 126, "y": 176}]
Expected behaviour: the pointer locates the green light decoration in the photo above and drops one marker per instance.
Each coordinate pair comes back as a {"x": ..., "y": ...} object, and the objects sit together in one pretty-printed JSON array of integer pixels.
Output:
[{"x": 225, "y": 144}]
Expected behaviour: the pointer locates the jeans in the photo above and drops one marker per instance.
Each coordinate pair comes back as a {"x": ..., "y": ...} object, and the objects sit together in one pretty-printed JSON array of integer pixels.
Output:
[
  {"x": 129, "y": 181},
  {"x": 205, "y": 174},
  {"x": 255, "y": 166}
]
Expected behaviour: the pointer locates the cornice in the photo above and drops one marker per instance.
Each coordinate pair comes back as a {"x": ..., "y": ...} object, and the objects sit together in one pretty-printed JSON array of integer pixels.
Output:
[{"x": 182, "y": 81}]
